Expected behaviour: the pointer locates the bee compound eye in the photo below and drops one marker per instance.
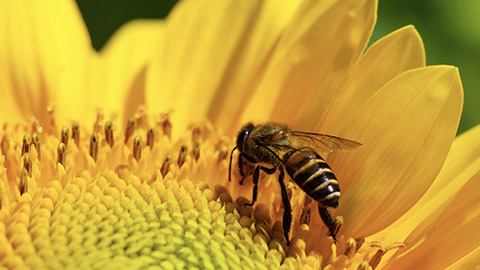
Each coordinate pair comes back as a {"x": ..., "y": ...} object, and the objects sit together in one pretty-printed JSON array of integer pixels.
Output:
[{"x": 241, "y": 139}]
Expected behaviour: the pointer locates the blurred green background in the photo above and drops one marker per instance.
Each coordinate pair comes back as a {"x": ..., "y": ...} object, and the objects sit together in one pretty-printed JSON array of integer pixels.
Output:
[{"x": 450, "y": 31}]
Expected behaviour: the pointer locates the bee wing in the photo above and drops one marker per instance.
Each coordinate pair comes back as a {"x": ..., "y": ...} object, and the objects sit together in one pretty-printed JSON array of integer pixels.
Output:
[{"x": 326, "y": 143}]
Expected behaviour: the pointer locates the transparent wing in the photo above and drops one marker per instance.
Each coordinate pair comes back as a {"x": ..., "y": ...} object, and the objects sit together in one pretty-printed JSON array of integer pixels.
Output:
[{"x": 326, "y": 143}]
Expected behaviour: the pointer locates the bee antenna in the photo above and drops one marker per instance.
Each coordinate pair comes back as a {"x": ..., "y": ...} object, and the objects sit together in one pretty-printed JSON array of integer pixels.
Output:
[{"x": 230, "y": 165}]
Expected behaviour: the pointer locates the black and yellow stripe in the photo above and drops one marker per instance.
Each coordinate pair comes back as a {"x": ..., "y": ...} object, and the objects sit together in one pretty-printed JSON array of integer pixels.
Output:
[{"x": 313, "y": 175}]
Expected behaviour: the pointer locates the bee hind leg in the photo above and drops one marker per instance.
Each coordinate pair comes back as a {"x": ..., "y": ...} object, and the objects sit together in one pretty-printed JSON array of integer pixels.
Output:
[
  {"x": 287, "y": 209},
  {"x": 242, "y": 167},
  {"x": 256, "y": 175},
  {"x": 327, "y": 219}
]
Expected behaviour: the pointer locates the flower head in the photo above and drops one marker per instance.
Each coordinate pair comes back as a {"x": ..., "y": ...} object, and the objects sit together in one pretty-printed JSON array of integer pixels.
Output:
[{"x": 120, "y": 160}]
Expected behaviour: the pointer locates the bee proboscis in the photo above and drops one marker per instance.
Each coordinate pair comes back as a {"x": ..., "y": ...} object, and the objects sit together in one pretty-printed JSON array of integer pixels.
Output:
[{"x": 297, "y": 153}]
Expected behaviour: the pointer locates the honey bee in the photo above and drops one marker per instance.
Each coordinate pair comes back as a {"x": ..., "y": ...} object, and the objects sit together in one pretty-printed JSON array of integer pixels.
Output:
[{"x": 270, "y": 147}]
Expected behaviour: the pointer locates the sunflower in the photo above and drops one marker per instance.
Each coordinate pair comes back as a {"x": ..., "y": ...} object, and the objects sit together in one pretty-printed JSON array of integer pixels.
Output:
[{"x": 119, "y": 159}]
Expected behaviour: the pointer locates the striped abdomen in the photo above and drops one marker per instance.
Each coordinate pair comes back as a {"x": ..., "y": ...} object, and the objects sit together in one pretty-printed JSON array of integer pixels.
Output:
[{"x": 313, "y": 175}]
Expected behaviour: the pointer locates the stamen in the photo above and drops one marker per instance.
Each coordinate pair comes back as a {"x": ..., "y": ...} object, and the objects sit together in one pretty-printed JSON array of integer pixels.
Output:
[
  {"x": 137, "y": 147},
  {"x": 109, "y": 133},
  {"x": 307, "y": 201},
  {"x": 27, "y": 140},
  {"x": 166, "y": 165},
  {"x": 375, "y": 260},
  {"x": 195, "y": 133},
  {"x": 150, "y": 137},
  {"x": 196, "y": 150},
  {"x": 36, "y": 144},
  {"x": 97, "y": 127},
  {"x": 64, "y": 136},
  {"x": 130, "y": 128},
  {"x": 222, "y": 154},
  {"x": 182, "y": 155},
  {"x": 305, "y": 216},
  {"x": 51, "y": 126},
  {"x": 359, "y": 243},
  {"x": 164, "y": 122},
  {"x": 350, "y": 247},
  {"x": 27, "y": 163},
  {"x": 5, "y": 145},
  {"x": 338, "y": 224},
  {"x": 94, "y": 146},
  {"x": 363, "y": 266},
  {"x": 61, "y": 153},
  {"x": 23, "y": 186},
  {"x": 76, "y": 133}
]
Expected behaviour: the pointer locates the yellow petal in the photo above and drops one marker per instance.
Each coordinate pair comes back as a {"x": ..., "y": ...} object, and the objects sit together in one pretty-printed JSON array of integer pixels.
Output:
[
  {"x": 473, "y": 258},
  {"x": 406, "y": 129},
  {"x": 124, "y": 61},
  {"x": 454, "y": 237},
  {"x": 312, "y": 60},
  {"x": 201, "y": 40},
  {"x": 388, "y": 57},
  {"x": 45, "y": 48},
  {"x": 462, "y": 164}
]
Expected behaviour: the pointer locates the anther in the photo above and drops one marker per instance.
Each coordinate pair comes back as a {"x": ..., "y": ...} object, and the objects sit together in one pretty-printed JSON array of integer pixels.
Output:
[
  {"x": 36, "y": 144},
  {"x": 27, "y": 163},
  {"x": 307, "y": 201},
  {"x": 196, "y": 150},
  {"x": 76, "y": 132},
  {"x": 94, "y": 146},
  {"x": 338, "y": 221},
  {"x": 363, "y": 266},
  {"x": 165, "y": 124},
  {"x": 150, "y": 137},
  {"x": 109, "y": 133},
  {"x": 166, "y": 165},
  {"x": 305, "y": 216},
  {"x": 359, "y": 243},
  {"x": 182, "y": 155},
  {"x": 375, "y": 260},
  {"x": 137, "y": 147},
  {"x": 130, "y": 128},
  {"x": 350, "y": 247},
  {"x": 27, "y": 140},
  {"x": 64, "y": 136},
  {"x": 61, "y": 153},
  {"x": 195, "y": 133},
  {"x": 5, "y": 145},
  {"x": 23, "y": 186},
  {"x": 222, "y": 154},
  {"x": 97, "y": 126}
]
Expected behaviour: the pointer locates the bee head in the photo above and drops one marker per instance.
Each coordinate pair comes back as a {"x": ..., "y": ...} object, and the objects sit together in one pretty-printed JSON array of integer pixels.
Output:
[{"x": 243, "y": 135}]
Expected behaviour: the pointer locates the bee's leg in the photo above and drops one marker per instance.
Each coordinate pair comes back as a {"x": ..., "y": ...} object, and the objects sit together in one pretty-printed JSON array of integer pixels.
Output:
[
  {"x": 287, "y": 209},
  {"x": 327, "y": 219},
  {"x": 230, "y": 165},
  {"x": 241, "y": 166},
  {"x": 256, "y": 175}
]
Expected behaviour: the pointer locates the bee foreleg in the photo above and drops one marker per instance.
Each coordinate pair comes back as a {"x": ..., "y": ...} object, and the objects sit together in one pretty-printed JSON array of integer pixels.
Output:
[
  {"x": 327, "y": 219},
  {"x": 256, "y": 175},
  {"x": 287, "y": 209},
  {"x": 241, "y": 166}
]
